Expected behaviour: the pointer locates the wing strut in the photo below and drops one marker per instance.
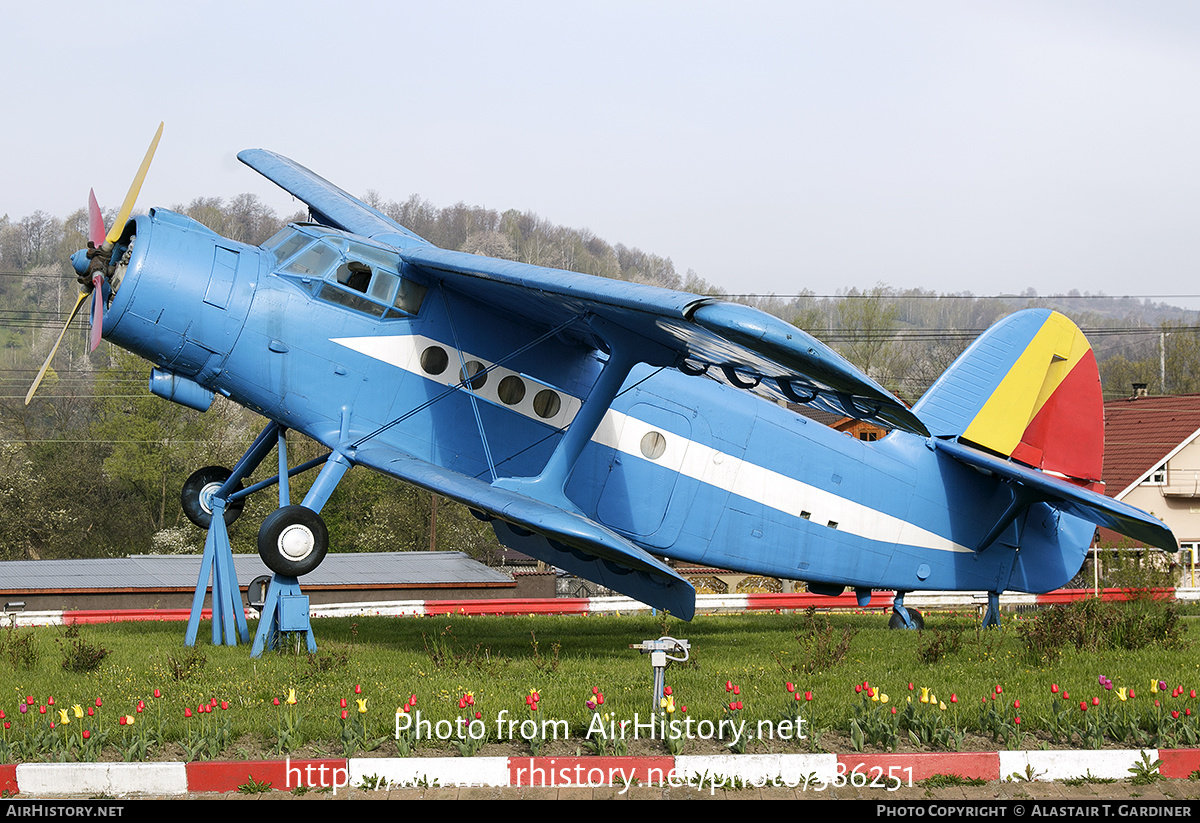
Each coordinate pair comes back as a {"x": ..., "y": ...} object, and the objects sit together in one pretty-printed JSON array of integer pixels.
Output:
[
  {"x": 468, "y": 382},
  {"x": 550, "y": 485}
]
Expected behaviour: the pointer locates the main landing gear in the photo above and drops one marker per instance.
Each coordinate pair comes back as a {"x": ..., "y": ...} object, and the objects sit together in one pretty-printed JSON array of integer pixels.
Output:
[{"x": 292, "y": 541}]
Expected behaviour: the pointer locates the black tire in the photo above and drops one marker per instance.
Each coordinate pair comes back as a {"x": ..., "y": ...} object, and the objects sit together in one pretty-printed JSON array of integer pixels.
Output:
[
  {"x": 293, "y": 541},
  {"x": 895, "y": 622},
  {"x": 202, "y": 483}
]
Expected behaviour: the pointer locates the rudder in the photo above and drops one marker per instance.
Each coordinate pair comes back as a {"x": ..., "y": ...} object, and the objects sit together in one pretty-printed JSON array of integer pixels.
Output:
[{"x": 1028, "y": 388}]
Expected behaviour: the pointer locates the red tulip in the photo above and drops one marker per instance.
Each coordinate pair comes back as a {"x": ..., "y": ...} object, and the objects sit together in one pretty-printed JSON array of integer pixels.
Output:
[
  {"x": 666, "y": 690},
  {"x": 357, "y": 688},
  {"x": 345, "y": 714},
  {"x": 1017, "y": 720},
  {"x": 728, "y": 685},
  {"x": 343, "y": 703},
  {"x": 1095, "y": 701},
  {"x": 97, "y": 702},
  {"x": 86, "y": 734},
  {"x": 1053, "y": 688},
  {"x": 791, "y": 688},
  {"x": 188, "y": 712},
  {"x": 157, "y": 693},
  {"x": 1082, "y": 705},
  {"x": 808, "y": 695}
]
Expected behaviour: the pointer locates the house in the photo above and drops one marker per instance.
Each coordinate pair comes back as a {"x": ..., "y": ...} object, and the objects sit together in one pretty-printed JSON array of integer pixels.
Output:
[{"x": 1152, "y": 461}]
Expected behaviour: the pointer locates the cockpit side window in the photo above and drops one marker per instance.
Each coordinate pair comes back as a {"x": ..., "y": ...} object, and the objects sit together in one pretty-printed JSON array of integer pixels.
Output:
[
  {"x": 348, "y": 273},
  {"x": 314, "y": 261}
]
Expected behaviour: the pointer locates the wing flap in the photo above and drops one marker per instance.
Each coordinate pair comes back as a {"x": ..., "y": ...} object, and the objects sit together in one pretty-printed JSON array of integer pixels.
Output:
[{"x": 559, "y": 537}]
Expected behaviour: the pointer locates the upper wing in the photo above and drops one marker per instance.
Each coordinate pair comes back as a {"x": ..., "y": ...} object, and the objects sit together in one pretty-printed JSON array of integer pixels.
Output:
[{"x": 747, "y": 347}]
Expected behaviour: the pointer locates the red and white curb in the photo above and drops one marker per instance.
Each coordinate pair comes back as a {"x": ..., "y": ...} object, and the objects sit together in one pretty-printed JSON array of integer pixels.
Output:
[
  {"x": 811, "y": 772},
  {"x": 705, "y": 604}
]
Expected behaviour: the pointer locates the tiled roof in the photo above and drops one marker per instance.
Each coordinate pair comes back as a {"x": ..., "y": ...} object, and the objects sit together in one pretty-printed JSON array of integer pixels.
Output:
[{"x": 1140, "y": 432}]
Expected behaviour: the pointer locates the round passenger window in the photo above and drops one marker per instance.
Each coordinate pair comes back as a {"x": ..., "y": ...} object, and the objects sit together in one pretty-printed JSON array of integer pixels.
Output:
[
  {"x": 434, "y": 360},
  {"x": 511, "y": 390},
  {"x": 467, "y": 375},
  {"x": 546, "y": 403},
  {"x": 653, "y": 445}
]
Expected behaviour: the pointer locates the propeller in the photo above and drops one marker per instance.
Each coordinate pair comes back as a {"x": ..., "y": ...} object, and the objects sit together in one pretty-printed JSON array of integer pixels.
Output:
[{"x": 100, "y": 243}]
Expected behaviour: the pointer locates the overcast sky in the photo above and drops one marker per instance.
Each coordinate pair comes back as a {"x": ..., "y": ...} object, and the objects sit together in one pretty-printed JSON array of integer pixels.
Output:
[{"x": 770, "y": 146}]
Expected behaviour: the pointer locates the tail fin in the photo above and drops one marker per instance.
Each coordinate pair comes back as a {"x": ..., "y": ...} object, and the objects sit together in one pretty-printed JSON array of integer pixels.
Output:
[{"x": 1028, "y": 389}]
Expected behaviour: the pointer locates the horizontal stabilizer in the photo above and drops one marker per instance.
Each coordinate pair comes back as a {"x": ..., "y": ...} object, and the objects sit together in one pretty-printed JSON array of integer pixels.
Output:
[
  {"x": 1067, "y": 497},
  {"x": 556, "y": 536}
]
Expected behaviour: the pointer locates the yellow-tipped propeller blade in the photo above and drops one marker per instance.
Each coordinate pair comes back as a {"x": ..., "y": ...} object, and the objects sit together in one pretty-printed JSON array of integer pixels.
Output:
[
  {"x": 127, "y": 207},
  {"x": 38, "y": 380}
]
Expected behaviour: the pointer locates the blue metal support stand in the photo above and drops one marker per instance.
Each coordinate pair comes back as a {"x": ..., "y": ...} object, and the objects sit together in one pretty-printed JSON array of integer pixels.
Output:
[
  {"x": 228, "y": 616},
  {"x": 285, "y": 610}
]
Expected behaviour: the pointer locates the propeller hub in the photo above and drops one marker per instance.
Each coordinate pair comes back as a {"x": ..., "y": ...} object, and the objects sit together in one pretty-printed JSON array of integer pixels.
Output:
[{"x": 80, "y": 262}]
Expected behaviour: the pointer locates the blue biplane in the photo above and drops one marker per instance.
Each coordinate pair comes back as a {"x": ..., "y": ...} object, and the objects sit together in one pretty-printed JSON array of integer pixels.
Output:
[{"x": 605, "y": 427}]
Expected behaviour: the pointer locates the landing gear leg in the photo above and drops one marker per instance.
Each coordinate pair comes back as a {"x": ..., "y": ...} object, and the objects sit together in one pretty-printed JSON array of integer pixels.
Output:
[
  {"x": 991, "y": 617},
  {"x": 292, "y": 541},
  {"x": 904, "y": 618}
]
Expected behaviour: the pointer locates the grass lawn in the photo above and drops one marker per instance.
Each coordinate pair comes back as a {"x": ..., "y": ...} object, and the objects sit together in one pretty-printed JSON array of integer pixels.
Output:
[{"x": 866, "y": 685}]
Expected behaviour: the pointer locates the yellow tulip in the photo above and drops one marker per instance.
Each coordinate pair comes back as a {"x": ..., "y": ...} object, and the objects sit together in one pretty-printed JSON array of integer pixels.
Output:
[
  {"x": 1121, "y": 694},
  {"x": 362, "y": 705},
  {"x": 129, "y": 720},
  {"x": 924, "y": 694},
  {"x": 62, "y": 716},
  {"x": 291, "y": 697},
  {"x": 883, "y": 698},
  {"x": 78, "y": 710}
]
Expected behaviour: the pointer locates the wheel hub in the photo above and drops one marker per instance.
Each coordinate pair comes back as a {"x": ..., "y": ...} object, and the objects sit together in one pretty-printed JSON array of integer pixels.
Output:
[
  {"x": 296, "y": 542},
  {"x": 206, "y": 496}
]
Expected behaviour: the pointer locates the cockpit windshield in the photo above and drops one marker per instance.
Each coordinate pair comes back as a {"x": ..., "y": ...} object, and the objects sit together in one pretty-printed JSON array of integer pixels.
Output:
[{"x": 347, "y": 272}]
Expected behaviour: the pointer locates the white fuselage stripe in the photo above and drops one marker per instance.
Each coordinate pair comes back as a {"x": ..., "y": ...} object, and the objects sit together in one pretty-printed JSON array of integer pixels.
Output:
[{"x": 689, "y": 458}]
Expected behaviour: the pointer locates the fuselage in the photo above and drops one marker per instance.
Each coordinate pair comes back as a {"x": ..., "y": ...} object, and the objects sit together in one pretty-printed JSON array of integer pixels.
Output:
[{"x": 332, "y": 336}]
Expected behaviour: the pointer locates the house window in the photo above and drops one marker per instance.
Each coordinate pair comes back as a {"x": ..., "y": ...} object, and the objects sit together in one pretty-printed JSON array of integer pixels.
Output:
[{"x": 1158, "y": 477}]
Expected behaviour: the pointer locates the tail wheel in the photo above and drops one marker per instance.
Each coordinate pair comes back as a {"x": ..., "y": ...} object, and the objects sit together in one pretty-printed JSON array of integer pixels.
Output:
[
  {"x": 897, "y": 622},
  {"x": 293, "y": 541},
  {"x": 198, "y": 490}
]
